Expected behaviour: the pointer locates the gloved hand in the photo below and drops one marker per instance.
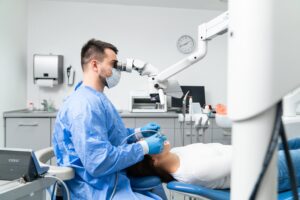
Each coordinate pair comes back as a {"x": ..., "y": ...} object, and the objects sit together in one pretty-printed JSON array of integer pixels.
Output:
[
  {"x": 155, "y": 143},
  {"x": 150, "y": 129}
]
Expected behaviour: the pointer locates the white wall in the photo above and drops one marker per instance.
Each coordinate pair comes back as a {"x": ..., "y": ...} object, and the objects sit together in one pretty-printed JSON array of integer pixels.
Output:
[
  {"x": 13, "y": 39},
  {"x": 146, "y": 33}
]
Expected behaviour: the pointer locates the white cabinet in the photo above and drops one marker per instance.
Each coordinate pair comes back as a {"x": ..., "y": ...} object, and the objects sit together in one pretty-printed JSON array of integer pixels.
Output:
[
  {"x": 36, "y": 132},
  {"x": 129, "y": 122},
  {"x": 30, "y": 133},
  {"x": 219, "y": 135},
  {"x": 167, "y": 126},
  {"x": 173, "y": 129},
  {"x": 191, "y": 135}
]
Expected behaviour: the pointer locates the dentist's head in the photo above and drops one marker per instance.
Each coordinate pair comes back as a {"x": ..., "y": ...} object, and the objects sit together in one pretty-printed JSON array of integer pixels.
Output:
[{"x": 97, "y": 61}]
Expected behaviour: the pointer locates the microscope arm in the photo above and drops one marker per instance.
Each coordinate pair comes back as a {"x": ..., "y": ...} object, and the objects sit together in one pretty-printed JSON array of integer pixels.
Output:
[
  {"x": 159, "y": 83},
  {"x": 142, "y": 67},
  {"x": 206, "y": 31}
]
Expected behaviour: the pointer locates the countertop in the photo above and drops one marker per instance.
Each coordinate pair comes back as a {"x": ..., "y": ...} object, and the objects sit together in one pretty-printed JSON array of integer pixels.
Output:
[{"x": 32, "y": 114}]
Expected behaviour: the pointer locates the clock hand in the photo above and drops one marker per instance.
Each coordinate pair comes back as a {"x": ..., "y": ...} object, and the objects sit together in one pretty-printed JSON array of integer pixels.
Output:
[{"x": 183, "y": 44}]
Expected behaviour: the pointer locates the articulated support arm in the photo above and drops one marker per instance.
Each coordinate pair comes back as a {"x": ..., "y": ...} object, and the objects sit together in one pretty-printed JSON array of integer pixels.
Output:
[
  {"x": 160, "y": 83},
  {"x": 143, "y": 68},
  {"x": 206, "y": 32}
]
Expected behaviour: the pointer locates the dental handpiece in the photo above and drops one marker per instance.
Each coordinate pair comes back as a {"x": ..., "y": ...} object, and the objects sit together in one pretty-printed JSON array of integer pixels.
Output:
[{"x": 126, "y": 138}]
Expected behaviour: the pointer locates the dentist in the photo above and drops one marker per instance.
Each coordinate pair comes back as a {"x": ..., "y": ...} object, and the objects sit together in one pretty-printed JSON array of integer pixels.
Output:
[{"x": 89, "y": 132}]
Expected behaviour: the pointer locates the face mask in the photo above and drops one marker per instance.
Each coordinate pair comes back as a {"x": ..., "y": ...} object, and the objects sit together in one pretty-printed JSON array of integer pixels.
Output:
[{"x": 114, "y": 79}]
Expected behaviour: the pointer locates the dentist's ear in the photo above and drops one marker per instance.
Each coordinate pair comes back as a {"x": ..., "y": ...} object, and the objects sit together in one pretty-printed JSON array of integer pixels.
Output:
[{"x": 94, "y": 65}]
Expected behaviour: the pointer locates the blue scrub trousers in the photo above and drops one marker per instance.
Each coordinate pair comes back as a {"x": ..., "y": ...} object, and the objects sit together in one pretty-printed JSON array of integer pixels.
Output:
[{"x": 283, "y": 175}]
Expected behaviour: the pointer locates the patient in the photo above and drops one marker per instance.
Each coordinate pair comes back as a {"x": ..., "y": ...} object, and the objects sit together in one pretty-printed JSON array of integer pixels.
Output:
[{"x": 207, "y": 165}]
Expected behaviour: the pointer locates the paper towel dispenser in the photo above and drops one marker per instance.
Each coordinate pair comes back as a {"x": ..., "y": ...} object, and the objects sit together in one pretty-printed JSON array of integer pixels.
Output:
[{"x": 47, "y": 69}]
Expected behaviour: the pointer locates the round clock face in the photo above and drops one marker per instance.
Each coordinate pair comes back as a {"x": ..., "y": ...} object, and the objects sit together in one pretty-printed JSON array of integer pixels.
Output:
[{"x": 186, "y": 44}]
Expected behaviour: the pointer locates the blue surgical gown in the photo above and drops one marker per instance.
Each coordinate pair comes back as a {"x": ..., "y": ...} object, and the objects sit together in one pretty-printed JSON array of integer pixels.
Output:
[{"x": 87, "y": 137}]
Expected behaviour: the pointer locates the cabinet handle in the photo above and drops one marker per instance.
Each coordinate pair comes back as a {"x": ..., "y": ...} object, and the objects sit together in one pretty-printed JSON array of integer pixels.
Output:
[
  {"x": 193, "y": 134},
  {"x": 225, "y": 133},
  {"x": 33, "y": 124}
]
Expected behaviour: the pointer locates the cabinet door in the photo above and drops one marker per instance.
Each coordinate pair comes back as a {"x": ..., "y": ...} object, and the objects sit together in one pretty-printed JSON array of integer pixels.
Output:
[
  {"x": 198, "y": 136},
  {"x": 220, "y": 135},
  {"x": 129, "y": 122},
  {"x": 30, "y": 133},
  {"x": 166, "y": 124}
]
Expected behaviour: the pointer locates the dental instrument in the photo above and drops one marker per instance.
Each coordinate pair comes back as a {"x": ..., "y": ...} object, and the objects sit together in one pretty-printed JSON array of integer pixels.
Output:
[{"x": 125, "y": 139}]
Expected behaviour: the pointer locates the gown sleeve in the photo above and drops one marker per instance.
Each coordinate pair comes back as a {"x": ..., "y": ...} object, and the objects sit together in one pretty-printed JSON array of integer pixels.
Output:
[{"x": 98, "y": 156}]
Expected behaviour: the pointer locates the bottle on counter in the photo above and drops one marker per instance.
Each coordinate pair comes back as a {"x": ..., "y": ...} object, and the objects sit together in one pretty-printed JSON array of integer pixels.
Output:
[
  {"x": 30, "y": 106},
  {"x": 190, "y": 105}
]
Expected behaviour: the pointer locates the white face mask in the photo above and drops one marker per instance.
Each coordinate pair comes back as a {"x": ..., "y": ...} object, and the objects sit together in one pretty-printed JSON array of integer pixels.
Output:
[{"x": 114, "y": 79}]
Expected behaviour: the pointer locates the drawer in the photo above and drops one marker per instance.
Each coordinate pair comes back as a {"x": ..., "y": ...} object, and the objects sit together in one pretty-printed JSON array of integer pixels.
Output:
[
  {"x": 30, "y": 133},
  {"x": 197, "y": 137},
  {"x": 188, "y": 124},
  {"x": 221, "y": 136},
  {"x": 163, "y": 122},
  {"x": 129, "y": 122}
]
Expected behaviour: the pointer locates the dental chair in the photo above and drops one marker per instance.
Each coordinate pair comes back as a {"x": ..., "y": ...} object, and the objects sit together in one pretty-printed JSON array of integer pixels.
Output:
[
  {"x": 206, "y": 193},
  {"x": 150, "y": 185}
]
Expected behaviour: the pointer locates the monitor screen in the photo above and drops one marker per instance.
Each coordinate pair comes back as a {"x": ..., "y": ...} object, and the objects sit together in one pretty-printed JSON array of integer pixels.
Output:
[{"x": 197, "y": 93}]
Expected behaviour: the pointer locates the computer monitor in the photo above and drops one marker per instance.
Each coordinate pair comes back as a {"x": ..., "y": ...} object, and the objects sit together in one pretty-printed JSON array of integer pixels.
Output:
[{"x": 197, "y": 93}]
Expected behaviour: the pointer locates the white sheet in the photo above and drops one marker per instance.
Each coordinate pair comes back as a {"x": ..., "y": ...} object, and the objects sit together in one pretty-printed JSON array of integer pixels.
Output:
[{"x": 206, "y": 165}]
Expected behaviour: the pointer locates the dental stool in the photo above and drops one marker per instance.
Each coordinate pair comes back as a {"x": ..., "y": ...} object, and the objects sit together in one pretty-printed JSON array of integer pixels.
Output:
[{"x": 198, "y": 192}]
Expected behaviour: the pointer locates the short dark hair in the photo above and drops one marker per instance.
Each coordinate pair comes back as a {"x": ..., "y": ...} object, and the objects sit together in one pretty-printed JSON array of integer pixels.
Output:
[
  {"x": 146, "y": 168},
  {"x": 95, "y": 49}
]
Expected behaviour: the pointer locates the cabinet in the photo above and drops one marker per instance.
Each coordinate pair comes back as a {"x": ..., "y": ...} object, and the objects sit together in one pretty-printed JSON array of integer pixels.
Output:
[
  {"x": 191, "y": 135},
  {"x": 30, "y": 133},
  {"x": 36, "y": 132},
  {"x": 219, "y": 135},
  {"x": 174, "y": 129},
  {"x": 167, "y": 126}
]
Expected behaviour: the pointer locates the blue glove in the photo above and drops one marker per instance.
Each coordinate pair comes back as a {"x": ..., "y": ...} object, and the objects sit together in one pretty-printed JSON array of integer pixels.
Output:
[
  {"x": 155, "y": 143},
  {"x": 150, "y": 129}
]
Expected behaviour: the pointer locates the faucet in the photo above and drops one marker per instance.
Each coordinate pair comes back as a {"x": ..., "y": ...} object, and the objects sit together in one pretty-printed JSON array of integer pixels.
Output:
[{"x": 45, "y": 105}]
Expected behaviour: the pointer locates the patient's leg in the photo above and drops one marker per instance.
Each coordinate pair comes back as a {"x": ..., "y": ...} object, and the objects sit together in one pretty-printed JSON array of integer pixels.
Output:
[
  {"x": 292, "y": 143},
  {"x": 283, "y": 176}
]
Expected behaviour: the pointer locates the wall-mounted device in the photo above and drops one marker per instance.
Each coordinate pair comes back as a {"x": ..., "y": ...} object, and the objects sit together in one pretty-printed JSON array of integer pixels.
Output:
[
  {"x": 70, "y": 75},
  {"x": 47, "y": 70},
  {"x": 141, "y": 102}
]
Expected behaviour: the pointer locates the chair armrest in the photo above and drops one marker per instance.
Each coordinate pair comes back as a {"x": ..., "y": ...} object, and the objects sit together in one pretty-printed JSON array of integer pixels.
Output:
[
  {"x": 198, "y": 190},
  {"x": 44, "y": 155}
]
